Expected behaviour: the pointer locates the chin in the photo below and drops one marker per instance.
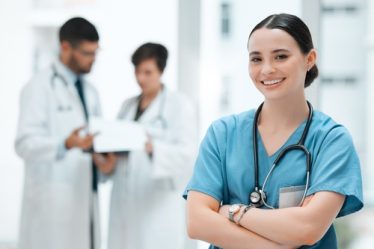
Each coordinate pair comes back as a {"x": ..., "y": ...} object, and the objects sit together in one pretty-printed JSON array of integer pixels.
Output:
[
  {"x": 274, "y": 95},
  {"x": 84, "y": 70}
]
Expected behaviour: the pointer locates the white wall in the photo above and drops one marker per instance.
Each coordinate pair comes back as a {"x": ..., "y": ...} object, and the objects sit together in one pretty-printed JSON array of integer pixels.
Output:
[
  {"x": 369, "y": 42},
  {"x": 14, "y": 71}
]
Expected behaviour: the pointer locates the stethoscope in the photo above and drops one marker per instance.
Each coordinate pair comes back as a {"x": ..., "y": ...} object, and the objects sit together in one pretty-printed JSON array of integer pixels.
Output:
[
  {"x": 258, "y": 196},
  {"x": 55, "y": 75},
  {"x": 159, "y": 118}
]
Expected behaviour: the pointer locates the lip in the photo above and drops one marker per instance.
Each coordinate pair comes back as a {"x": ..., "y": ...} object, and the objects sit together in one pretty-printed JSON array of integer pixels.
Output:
[{"x": 272, "y": 82}]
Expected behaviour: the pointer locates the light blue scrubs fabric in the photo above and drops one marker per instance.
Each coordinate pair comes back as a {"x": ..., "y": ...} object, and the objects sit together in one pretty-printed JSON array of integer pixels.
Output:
[{"x": 224, "y": 168}]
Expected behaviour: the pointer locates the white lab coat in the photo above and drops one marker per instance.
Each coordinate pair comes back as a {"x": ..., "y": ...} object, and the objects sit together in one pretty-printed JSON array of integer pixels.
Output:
[
  {"x": 57, "y": 195},
  {"x": 147, "y": 208}
]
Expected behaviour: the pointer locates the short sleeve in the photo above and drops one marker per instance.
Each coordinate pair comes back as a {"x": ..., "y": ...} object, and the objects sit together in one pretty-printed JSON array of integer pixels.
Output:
[
  {"x": 336, "y": 168},
  {"x": 207, "y": 177}
]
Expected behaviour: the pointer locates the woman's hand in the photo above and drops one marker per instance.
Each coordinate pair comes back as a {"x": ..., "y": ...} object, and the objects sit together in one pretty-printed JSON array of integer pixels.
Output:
[
  {"x": 307, "y": 200},
  {"x": 224, "y": 211},
  {"x": 105, "y": 162}
]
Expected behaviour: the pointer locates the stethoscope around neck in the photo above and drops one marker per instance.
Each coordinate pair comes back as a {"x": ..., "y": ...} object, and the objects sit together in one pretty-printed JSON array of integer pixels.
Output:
[
  {"x": 258, "y": 196},
  {"x": 159, "y": 118},
  {"x": 55, "y": 75}
]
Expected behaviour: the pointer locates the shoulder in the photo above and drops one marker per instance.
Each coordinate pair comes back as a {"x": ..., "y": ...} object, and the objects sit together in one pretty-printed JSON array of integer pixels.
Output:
[
  {"x": 233, "y": 125},
  {"x": 326, "y": 130},
  {"x": 129, "y": 101},
  {"x": 126, "y": 104},
  {"x": 40, "y": 81}
]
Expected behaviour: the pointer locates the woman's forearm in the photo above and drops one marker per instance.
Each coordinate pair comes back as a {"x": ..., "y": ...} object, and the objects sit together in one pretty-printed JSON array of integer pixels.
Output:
[
  {"x": 204, "y": 223},
  {"x": 287, "y": 226},
  {"x": 296, "y": 225}
]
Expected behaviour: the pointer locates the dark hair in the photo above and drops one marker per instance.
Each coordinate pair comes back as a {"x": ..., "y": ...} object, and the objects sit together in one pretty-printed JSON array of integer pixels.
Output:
[
  {"x": 151, "y": 51},
  {"x": 78, "y": 29},
  {"x": 295, "y": 27}
]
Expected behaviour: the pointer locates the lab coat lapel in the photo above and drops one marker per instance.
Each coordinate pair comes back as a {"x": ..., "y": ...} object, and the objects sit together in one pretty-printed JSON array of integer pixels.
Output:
[
  {"x": 71, "y": 89},
  {"x": 152, "y": 111}
]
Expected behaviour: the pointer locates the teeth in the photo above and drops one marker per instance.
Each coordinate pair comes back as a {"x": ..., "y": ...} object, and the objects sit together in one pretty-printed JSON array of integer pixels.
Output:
[{"x": 271, "y": 82}]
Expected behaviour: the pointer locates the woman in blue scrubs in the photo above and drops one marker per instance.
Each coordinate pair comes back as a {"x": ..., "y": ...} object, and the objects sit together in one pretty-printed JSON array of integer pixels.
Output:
[{"x": 278, "y": 176}]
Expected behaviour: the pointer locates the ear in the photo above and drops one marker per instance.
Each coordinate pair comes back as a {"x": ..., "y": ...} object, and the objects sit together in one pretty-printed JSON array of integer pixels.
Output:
[
  {"x": 311, "y": 59},
  {"x": 65, "y": 46}
]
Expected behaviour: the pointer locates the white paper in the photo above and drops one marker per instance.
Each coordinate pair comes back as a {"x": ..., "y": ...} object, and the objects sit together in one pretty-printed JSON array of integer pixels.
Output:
[{"x": 117, "y": 135}]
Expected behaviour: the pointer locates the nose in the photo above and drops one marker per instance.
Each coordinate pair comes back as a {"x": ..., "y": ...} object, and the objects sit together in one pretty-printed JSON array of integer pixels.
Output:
[
  {"x": 141, "y": 77},
  {"x": 267, "y": 68}
]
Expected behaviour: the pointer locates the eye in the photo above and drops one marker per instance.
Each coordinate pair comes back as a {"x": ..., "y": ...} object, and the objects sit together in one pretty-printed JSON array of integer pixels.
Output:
[
  {"x": 281, "y": 57},
  {"x": 255, "y": 59}
]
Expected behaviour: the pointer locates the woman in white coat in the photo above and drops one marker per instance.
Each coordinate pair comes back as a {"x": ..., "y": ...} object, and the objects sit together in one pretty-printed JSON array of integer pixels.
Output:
[
  {"x": 59, "y": 207},
  {"x": 146, "y": 210}
]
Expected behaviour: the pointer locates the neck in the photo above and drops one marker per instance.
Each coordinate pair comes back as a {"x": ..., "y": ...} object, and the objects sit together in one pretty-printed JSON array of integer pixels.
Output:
[
  {"x": 280, "y": 114},
  {"x": 64, "y": 60},
  {"x": 148, "y": 96}
]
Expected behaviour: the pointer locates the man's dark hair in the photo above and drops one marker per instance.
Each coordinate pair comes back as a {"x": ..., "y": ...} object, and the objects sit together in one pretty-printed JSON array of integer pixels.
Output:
[
  {"x": 151, "y": 51},
  {"x": 78, "y": 29}
]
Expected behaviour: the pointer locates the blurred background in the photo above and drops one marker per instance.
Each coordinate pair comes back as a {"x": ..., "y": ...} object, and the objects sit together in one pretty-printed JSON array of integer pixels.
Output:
[{"x": 208, "y": 61}]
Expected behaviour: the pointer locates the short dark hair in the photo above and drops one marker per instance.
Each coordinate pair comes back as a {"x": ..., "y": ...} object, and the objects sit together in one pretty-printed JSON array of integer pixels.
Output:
[
  {"x": 295, "y": 27},
  {"x": 78, "y": 29},
  {"x": 151, "y": 51}
]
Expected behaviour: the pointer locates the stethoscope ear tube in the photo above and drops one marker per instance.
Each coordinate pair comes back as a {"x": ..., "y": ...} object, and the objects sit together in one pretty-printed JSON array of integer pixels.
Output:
[{"x": 295, "y": 147}]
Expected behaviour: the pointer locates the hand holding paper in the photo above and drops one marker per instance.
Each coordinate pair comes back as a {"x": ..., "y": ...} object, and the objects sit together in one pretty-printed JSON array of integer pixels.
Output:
[{"x": 117, "y": 135}]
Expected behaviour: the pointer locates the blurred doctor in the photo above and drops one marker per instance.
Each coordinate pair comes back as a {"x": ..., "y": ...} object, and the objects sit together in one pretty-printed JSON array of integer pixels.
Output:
[
  {"x": 146, "y": 211},
  {"x": 59, "y": 208}
]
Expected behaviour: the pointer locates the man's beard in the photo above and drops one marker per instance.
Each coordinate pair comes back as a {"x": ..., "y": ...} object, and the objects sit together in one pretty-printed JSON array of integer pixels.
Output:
[{"x": 73, "y": 64}]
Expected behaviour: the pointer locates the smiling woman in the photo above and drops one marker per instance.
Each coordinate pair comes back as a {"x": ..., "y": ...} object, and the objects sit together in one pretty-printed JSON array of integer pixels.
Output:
[{"x": 306, "y": 160}]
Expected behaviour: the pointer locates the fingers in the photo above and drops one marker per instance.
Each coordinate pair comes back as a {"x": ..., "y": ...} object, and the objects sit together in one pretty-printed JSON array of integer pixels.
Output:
[
  {"x": 106, "y": 164},
  {"x": 307, "y": 200},
  {"x": 98, "y": 157},
  {"x": 83, "y": 142},
  {"x": 86, "y": 142},
  {"x": 77, "y": 130}
]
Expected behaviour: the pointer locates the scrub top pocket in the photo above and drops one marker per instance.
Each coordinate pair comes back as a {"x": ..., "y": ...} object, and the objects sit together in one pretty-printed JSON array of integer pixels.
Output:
[{"x": 291, "y": 196}]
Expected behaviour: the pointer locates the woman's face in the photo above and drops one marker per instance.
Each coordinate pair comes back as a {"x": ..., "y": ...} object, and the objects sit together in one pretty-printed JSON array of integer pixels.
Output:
[
  {"x": 148, "y": 76},
  {"x": 277, "y": 66}
]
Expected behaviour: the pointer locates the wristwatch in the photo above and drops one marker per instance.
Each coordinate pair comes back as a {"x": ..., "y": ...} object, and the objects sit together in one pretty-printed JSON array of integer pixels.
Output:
[
  {"x": 233, "y": 209},
  {"x": 243, "y": 213}
]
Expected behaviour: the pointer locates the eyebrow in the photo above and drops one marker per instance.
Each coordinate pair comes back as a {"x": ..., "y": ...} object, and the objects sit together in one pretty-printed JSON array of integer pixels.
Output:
[{"x": 273, "y": 52}]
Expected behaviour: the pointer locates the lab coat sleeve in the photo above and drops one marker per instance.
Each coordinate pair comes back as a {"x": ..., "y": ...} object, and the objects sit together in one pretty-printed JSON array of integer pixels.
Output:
[
  {"x": 173, "y": 157},
  {"x": 34, "y": 141}
]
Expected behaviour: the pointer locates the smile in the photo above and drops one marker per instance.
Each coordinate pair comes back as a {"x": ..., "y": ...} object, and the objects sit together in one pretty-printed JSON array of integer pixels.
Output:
[{"x": 272, "y": 82}]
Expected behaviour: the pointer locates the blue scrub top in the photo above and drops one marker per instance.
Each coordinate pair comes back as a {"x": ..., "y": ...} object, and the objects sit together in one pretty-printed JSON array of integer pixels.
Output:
[{"x": 224, "y": 168}]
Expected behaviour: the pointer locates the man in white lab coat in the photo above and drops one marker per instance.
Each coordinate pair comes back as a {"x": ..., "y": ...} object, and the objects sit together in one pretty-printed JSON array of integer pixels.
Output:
[{"x": 59, "y": 208}]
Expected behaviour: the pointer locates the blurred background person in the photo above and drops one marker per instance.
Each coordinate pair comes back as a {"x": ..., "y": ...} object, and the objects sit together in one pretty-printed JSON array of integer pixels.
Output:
[
  {"x": 145, "y": 209},
  {"x": 59, "y": 208}
]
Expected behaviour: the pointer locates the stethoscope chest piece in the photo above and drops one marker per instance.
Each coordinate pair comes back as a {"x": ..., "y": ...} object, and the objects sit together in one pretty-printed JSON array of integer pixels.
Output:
[{"x": 255, "y": 198}]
